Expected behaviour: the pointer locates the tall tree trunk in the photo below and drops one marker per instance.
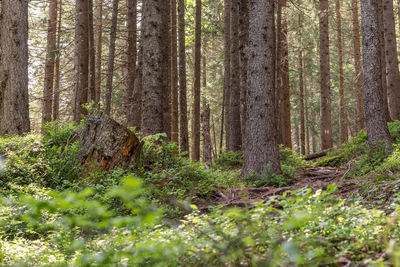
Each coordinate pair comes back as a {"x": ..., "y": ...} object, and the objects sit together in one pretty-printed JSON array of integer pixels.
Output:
[
  {"x": 326, "y": 120},
  {"x": 81, "y": 59},
  {"x": 14, "y": 102},
  {"x": 131, "y": 54},
  {"x": 57, "y": 89},
  {"x": 285, "y": 86},
  {"x": 235, "y": 130},
  {"x": 342, "y": 113},
  {"x": 183, "y": 129},
  {"x": 358, "y": 76},
  {"x": 377, "y": 129},
  {"x": 301, "y": 87},
  {"x": 278, "y": 76},
  {"x": 111, "y": 58},
  {"x": 227, "y": 70},
  {"x": 99, "y": 49},
  {"x": 49, "y": 65},
  {"x": 261, "y": 146},
  {"x": 92, "y": 56},
  {"x": 196, "y": 87},
  {"x": 154, "y": 71},
  {"x": 166, "y": 44},
  {"x": 392, "y": 63},
  {"x": 174, "y": 76},
  {"x": 243, "y": 47},
  {"x": 207, "y": 146},
  {"x": 136, "y": 105}
]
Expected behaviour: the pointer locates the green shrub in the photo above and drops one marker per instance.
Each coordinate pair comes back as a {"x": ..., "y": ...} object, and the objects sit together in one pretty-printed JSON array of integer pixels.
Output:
[{"x": 228, "y": 160}]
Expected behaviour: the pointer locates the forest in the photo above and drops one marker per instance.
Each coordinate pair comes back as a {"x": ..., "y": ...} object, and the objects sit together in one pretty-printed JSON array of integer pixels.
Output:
[{"x": 199, "y": 133}]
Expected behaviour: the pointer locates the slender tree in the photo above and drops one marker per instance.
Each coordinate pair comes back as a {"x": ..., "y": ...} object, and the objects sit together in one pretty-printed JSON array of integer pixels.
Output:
[
  {"x": 49, "y": 65},
  {"x": 99, "y": 48},
  {"x": 243, "y": 47},
  {"x": 377, "y": 129},
  {"x": 166, "y": 65},
  {"x": 92, "y": 55},
  {"x": 14, "y": 102},
  {"x": 57, "y": 88},
  {"x": 301, "y": 87},
  {"x": 261, "y": 152},
  {"x": 174, "y": 76},
  {"x": 227, "y": 70}
]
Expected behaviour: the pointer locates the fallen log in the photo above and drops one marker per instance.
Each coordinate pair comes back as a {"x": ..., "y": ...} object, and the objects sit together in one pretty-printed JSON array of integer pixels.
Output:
[
  {"x": 106, "y": 143},
  {"x": 318, "y": 154}
]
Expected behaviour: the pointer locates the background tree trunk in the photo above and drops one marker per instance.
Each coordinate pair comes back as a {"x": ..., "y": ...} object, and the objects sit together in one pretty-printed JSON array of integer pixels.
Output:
[
  {"x": 166, "y": 65},
  {"x": 57, "y": 88},
  {"x": 174, "y": 77},
  {"x": 92, "y": 56},
  {"x": 99, "y": 49},
  {"x": 243, "y": 47},
  {"x": 301, "y": 87},
  {"x": 227, "y": 70},
  {"x": 207, "y": 146}
]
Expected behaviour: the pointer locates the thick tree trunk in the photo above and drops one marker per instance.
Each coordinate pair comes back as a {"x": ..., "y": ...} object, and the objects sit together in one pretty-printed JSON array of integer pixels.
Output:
[
  {"x": 49, "y": 65},
  {"x": 374, "y": 113},
  {"x": 207, "y": 146},
  {"x": 174, "y": 77},
  {"x": 342, "y": 113},
  {"x": 57, "y": 88},
  {"x": 235, "y": 125},
  {"x": 81, "y": 62},
  {"x": 392, "y": 63},
  {"x": 196, "y": 87},
  {"x": 358, "y": 76},
  {"x": 243, "y": 47},
  {"x": 227, "y": 70},
  {"x": 183, "y": 129},
  {"x": 14, "y": 102},
  {"x": 326, "y": 120},
  {"x": 301, "y": 87},
  {"x": 131, "y": 55},
  {"x": 92, "y": 56},
  {"x": 261, "y": 152},
  {"x": 111, "y": 58},
  {"x": 99, "y": 49},
  {"x": 154, "y": 72}
]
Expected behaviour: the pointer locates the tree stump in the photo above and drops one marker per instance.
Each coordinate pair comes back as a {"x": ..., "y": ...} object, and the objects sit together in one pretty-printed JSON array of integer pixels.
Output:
[{"x": 105, "y": 142}]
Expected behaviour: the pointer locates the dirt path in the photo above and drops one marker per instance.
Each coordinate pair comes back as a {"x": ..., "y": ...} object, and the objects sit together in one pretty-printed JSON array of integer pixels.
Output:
[{"x": 315, "y": 178}]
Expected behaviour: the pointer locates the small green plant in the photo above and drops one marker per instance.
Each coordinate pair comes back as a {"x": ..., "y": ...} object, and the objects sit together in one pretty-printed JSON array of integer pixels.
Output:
[{"x": 228, "y": 160}]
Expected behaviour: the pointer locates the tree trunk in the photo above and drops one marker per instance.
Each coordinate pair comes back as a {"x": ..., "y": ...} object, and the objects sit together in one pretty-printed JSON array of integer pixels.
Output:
[
  {"x": 92, "y": 56},
  {"x": 81, "y": 59},
  {"x": 235, "y": 130},
  {"x": 358, "y": 76},
  {"x": 326, "y": 124},
  {"x": 342, "y": 113},
  {"x": 154, "y": 72},
  {"x": 166, "y": 46},
  {"x": 207, "y": 146},
  {"x": 392, "y": 63},
  {"x": 196, "y": 87},
  {"x": 49, "y": 65},
  {"x": 111, "y": 58},
  {"x": 301, "y": 87},
  {"x": 57, "y": 88},
  {"x": 227, "y": 70},
  {"x": 374, "y": 113},
  {"x": 183, "y": 129},
  {"x": 261, "y": 146},
  {"x": 135, "y": 118},
  {"x": 174, "y": 77},
  {"x": 131, "y": 54},
  {"x": 14, "y": 102},
  {"x": 99, "y": 50},
  {"x": 243, "y": 47}
]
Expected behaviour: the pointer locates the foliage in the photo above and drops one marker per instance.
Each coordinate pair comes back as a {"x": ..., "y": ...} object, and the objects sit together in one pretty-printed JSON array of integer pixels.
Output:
[{"x": 228, "y": 160}]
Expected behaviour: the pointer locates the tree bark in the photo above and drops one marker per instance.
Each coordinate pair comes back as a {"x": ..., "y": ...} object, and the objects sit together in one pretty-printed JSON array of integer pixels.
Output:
[
  {"x": 81, "y": 62},
  {"x": 235, "y": 125},
  {"x": 111, "y": 58},
  {"x": 57, "y": 88},
  {"x": 261, "y": 152},
  {"x": 49, "y": 65},
  {"x": 326, "y": 120},
  {"x": 136, "y": 105},
  {"x": 92, "y": 56},
  {"x": 392, "y": 63},
  {"x": 14, "y": 102},
  {"x": 99, "y": 49},
  {"x": 358, "y": 75},
  {"x": 227, "y": 70},
  {"x": 377, "y": 129},
  {"x": 174, "y": 76},
  {"x": 301, "y": 87},
  {"x": 197, "y": 85},
  {"x": 183, "y": 125},
  {"x": 207, "y": 145},
  {"x": 166, "y": 44},
  {"x": 243, "y": 49}
]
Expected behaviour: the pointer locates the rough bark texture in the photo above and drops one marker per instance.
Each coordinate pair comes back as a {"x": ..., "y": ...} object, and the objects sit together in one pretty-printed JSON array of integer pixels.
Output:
[
  {"x": 107, "y": 143},
  {"x": 111, "y": 58},
  {"x": 154, "y": 59},
  {"x": 377, "y": 130},
  {"x": 326, "y": 120},
  {"x": 135, "y": 118},
  {"x": 227, "y": 70},
  {"x": 235, "y": 125},
  {"x": 207, "y": 146},
  {"x": 196, "y": 86},
  {"x": 49, "y": 64},
  {"x": 392, "y": 63},
  {"x": 57, "y": 88},
  {"x": 243, "y": 49},
  {"x": 14, "y": 102},
  {"x": 358, "y": 77},
  {"x": 166, "y": 66},
  {"x": 131, "y": 55},
  {"x": 81, "y": 60},
  {"x": 99, "y": 50},
  {"x": 183, "y": 125},
  {"x": 261, "y": 152},
  {"x": 301, "y": 88},
  {"x": 92, "y": 56},
  {"x": 174, "y": 76},
  {"x": 342, "y": 113}
]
